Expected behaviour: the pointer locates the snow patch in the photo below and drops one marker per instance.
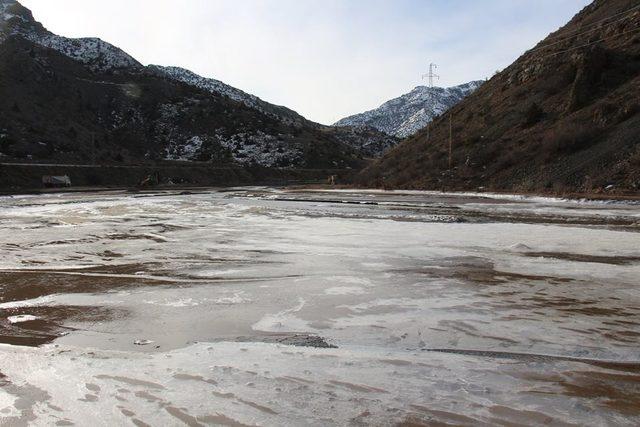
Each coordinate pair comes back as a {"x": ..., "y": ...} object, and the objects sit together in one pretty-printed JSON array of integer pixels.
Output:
[
  {"x": 187, "y": 151},
  {"x": 97, "y": 54},
  {"x": 261, "y": 149},
  {"x": 5, "y": 15},
  {"x": 217, "y": 87}
]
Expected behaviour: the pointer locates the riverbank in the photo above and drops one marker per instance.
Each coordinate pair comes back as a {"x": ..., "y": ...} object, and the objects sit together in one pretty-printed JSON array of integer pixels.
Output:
[{"x": 18, "y": 178}]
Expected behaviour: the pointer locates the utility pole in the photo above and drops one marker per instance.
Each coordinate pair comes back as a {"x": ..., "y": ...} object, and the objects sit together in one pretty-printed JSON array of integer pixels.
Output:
[
  {"x": 93, "y": 148},
  {"x": 432, "y": 75},
  {"x": 450, "y": 140}
]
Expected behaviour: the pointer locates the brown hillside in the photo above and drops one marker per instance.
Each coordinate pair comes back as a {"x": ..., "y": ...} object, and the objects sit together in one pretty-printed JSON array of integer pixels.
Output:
[
  {"x": 84, "y": 101},
  {"x": 564, "y": 117}
]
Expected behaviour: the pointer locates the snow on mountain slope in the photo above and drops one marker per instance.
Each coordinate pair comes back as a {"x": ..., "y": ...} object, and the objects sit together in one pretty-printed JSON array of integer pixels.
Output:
[
  {"x": 217, "y": 87},
  {"x": 210, "y": 85},
  {"x": 407, "y": 114},
  {"x": 96, "y": 54},
  {"x": 7, "y": 16},
  {"x": 5, "y": 13},
  {"x": 367, "y": 140},
  {"x": 180, "y": 116}
]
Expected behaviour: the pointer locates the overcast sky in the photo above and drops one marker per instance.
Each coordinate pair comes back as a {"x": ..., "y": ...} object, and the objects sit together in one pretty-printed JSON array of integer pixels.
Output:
[{"x": 325, "y": 59}]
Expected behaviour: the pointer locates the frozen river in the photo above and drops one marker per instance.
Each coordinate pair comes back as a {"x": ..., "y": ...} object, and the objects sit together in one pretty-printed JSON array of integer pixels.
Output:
[{"x": 270, "y": 307}]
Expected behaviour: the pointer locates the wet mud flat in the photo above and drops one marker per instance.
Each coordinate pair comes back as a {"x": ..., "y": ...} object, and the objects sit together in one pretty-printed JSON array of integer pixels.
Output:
[{"x": 263, "y": 306}]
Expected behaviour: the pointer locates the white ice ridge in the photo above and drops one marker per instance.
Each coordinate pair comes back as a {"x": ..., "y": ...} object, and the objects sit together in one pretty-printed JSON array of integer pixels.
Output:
[
  {"x": 36, "y": 302},
  {"x": 284, "y": 321},
  {"x": 21, "y": 318}
]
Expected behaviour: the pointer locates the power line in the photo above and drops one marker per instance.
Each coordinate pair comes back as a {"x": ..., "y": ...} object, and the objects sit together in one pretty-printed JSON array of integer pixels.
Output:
[
  {"x": 618, "y": 43},
  {"x": 591, "y": 43},
  {"x": 593, "y": 24},
  {"x": 572, "y": 36},
  {"x": 565, "y": 37}
]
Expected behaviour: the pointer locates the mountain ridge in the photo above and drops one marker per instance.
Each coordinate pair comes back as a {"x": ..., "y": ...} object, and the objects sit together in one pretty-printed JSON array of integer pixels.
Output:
[
  {"x": 407, "y": 114},
  {"x": 563, "y": 117},
  {"x": 57, "y": 95},
  {"x": 98, "y": 55},
  {"x": 216, "y": 86}
]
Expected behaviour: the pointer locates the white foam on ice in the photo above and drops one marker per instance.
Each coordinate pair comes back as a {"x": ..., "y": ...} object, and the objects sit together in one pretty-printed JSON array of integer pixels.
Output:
[
  {"x": 345, "y": 290},
  {"x": 237, "y": 298},
  {"x": 36, "y": 302},
  {"x": 284, "y": 321},
  {"x": 182, "y": 302},
  {"x": 22, "y": 318}
]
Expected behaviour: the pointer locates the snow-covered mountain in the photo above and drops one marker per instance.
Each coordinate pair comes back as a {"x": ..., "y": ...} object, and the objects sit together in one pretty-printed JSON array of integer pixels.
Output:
[
  {"x": 217, "y": 87},
  {"x": 96, "y": 54},
  {"x": 58, "y": 93},
  {"x": 407, "y": 114},
  {"x": 367, "y": 140}
]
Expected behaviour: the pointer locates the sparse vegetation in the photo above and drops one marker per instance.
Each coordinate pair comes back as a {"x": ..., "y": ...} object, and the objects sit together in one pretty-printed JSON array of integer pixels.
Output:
[{"x": 542, "y": 124}]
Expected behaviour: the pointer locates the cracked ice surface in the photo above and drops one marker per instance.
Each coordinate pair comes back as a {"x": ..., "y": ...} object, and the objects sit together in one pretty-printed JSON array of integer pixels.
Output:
[{"x": 536, "y": 298}]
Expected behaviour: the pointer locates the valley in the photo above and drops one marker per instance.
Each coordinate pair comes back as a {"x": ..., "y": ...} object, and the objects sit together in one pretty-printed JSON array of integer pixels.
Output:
[{"x": 176, "y": 250}]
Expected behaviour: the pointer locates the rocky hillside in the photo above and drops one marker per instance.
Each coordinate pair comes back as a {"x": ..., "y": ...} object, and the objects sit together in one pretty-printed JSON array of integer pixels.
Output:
[
  {"x": 86, "y": 101},
  {"x": 366, "y": 140},
  {"x": 564, "y": 117},
  {"x": 217, "y": 87},
  {"x": 407, "y": 114},
  {"x": 95, "y": 54}
]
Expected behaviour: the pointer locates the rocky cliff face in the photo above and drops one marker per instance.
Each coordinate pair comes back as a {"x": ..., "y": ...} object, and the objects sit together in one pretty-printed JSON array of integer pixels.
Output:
[
  {"x": 564, "y": 117},
  {"x": 409, "y": 113},
  {"x": 85, "y": 100}
]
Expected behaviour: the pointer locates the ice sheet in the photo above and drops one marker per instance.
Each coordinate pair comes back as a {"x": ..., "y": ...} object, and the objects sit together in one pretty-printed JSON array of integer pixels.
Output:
[{"x": 524, "y": 288}]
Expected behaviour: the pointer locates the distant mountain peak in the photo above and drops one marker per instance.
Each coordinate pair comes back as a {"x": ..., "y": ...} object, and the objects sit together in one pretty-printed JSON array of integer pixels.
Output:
[
  {"x": 6, "y": 4},
  {"x": 15, "y": 18},
  {"x": 407, "y": 114},
  {"x": 563, "y": 118},
  {"x": 96, "y": 54},
  {"x": 10, "y": 9}
]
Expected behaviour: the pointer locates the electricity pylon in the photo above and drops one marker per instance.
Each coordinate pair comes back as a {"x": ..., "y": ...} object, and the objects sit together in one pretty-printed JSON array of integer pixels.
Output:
[{"x": 432, "y": 75}]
